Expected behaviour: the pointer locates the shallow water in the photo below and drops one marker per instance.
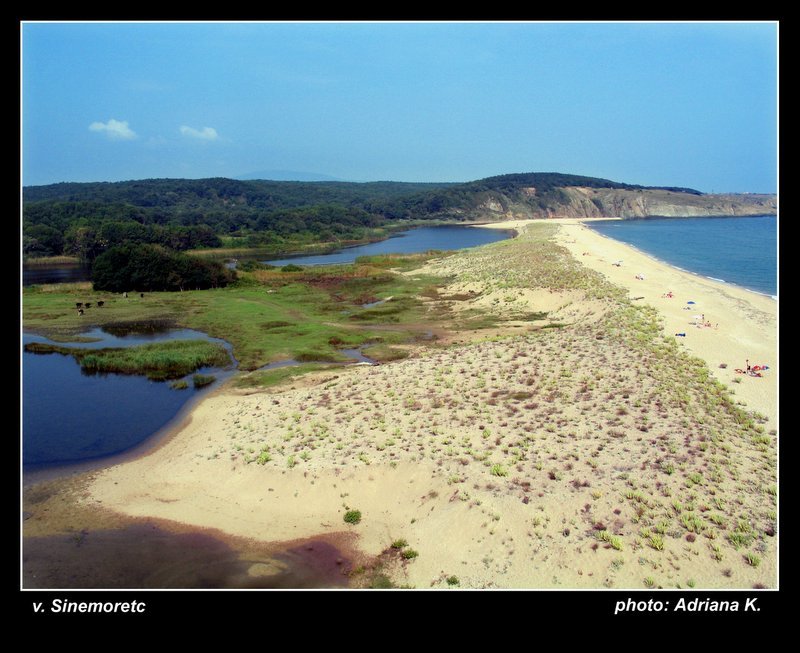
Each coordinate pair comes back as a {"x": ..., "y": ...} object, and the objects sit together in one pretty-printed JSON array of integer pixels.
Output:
[
  {"x": 147, "y": 556},
  {"x": 70, "y": 416}
]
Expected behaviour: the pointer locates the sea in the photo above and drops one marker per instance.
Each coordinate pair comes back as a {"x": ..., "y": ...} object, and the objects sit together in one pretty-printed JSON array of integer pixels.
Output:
[{"x": 738, "y": 250}]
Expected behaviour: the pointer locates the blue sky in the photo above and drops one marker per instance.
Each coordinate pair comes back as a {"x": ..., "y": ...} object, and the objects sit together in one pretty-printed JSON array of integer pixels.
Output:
[{"x": 683, "y": 104}]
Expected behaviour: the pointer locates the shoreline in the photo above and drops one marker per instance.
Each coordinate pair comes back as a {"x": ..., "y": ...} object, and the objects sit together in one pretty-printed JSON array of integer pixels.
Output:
[
  {"x": 739, "y": 307},
  {"x": 677, "y": 267},
  {"x": 409, "y": 445}
]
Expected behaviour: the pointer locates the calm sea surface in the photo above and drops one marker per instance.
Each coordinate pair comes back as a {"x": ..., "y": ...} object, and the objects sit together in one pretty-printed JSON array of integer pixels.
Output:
[{"x": 737, "y": 250}]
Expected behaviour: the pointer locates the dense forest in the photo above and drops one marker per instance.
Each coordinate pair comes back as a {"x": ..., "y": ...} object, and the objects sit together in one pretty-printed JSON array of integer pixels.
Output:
[
  {"x": 145, "y": 267},
  {"x": 86, "y": 219}
]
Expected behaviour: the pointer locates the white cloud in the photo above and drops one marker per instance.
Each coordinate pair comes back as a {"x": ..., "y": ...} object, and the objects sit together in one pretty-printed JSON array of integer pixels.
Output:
[
  {"x": 205, "y": 134},
  {"x": 115, "y": 129}
]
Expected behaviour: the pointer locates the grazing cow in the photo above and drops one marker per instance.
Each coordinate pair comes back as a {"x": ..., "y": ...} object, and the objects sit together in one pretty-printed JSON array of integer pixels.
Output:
[
  {"x": 80, "y": 311},
  {"x": 141, "y": 295},
  {"x": 87, "y": 304},
  {"x": 78, "y": 304},
  {"x": 125, "y": 295},
  {"x": 100, "y": 304}
]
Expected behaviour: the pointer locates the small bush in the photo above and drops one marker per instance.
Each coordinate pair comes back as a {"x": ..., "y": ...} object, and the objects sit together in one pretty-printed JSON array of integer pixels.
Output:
[
  {"x": 498, "y": 470},
  {"x": 408, "y": 554},
  {"x": 453, "y": 580},
  {"x": 352, "y": 516},
  {"x": 399, "y": 544},
  {"x": 202, "y": 380}
]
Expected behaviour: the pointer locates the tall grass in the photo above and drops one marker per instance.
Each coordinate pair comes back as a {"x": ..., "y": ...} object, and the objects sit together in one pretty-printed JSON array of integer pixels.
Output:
[{"x": 158, "y": 361}]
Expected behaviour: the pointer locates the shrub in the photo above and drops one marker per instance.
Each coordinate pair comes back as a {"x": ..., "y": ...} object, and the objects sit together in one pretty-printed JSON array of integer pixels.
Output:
[
  {"x": 352, "y": 516},
  {"x": 498, "y": 470},
  {"x": 202, "y": 380},
  {"x": 144, "y": 267}
]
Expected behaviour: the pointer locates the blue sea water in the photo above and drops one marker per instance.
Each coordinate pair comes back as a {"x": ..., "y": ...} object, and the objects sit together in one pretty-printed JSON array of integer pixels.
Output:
[{"x": 738, "y": 250}]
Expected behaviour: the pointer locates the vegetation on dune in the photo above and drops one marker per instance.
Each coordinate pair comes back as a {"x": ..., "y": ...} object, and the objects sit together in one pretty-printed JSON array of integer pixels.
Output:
[{"x": 606, "y": 415}]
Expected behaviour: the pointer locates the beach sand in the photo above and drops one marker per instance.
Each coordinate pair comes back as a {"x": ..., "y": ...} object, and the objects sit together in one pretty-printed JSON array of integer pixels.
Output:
[
  {"x": 744, "y": 323},
  {"x": 570, "y": 456}
]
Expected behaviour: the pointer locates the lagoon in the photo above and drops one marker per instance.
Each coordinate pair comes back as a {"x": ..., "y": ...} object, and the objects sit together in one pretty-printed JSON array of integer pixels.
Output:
[
  {"x": 70, "y": 416},
  {"x": 413, "y": 241}
]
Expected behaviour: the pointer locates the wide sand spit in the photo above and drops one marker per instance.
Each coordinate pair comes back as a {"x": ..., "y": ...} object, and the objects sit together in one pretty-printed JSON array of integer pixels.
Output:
[{"x": 588, "y": 448}]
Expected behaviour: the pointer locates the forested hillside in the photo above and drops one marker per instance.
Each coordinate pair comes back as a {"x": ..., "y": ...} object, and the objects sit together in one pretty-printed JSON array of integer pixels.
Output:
[{"x": 86, "y": 219}]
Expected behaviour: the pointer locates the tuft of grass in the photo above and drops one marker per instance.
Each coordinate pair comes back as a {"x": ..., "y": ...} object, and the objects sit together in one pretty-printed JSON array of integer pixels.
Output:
[
  {"x": 352, "y": 516},
  {"x": 399, "y": 544},
  {"x": 739, "y": 540},
  {"x": 752, "y": 559},
  {"x": 453, "y": 581},
  {"x": 202, "y": 380},
  {"x": 498, "y": 470},
  {"x": 409, "y": 554}
]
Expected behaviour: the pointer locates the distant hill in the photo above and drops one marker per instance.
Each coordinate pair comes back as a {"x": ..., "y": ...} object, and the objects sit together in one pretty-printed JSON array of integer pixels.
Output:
[
  {"x": 286, "y": 175},
  {"x": 84, "y": 218}
]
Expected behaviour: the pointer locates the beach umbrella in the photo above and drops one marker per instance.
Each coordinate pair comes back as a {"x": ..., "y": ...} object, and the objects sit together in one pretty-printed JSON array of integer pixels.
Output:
[{"x": 690, "y": 302}]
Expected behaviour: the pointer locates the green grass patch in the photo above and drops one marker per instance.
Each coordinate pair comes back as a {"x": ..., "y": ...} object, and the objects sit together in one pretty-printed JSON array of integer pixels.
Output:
[
  {"x": 352, "y": 516},
  {"x": 310, "y": 310},
  {"x": 202, "y": 380},
  {"x": 384, "y": 353},
  {"x": 172, "y": 359},
  {"x": 277, "y": 376}
]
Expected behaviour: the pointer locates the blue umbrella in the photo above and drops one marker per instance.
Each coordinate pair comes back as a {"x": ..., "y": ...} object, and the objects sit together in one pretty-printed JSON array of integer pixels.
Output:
[{"x": 690, "y": 302}]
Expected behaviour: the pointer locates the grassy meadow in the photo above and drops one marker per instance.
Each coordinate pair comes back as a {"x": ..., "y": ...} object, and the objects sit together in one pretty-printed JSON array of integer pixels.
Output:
[{"x": 268, "y": 315}]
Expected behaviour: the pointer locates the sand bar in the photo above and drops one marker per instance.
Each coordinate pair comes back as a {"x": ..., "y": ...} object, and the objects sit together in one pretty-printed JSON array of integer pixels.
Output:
[{"x": 557, "y": 458}]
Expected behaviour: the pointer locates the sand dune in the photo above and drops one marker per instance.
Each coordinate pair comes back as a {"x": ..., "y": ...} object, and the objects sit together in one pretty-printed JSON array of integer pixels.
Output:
[{"x": 590, "y": 454}]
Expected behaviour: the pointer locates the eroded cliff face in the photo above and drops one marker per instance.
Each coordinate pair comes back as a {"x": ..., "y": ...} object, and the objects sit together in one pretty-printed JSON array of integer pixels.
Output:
[{"x": 577, "y": 202}]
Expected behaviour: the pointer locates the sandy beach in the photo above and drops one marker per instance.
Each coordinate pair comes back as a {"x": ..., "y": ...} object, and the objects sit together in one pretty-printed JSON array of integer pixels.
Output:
[
  {"x": 575, "y": 446},
  {"x": 744, "y": 323}
]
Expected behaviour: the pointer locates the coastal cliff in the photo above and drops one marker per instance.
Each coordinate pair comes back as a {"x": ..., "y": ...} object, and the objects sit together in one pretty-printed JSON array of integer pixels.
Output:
[{"x": 583, "y": 202}]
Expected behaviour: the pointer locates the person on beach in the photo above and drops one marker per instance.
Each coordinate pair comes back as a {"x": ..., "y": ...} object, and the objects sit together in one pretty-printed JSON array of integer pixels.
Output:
[{"x": 747, "y": 362}]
